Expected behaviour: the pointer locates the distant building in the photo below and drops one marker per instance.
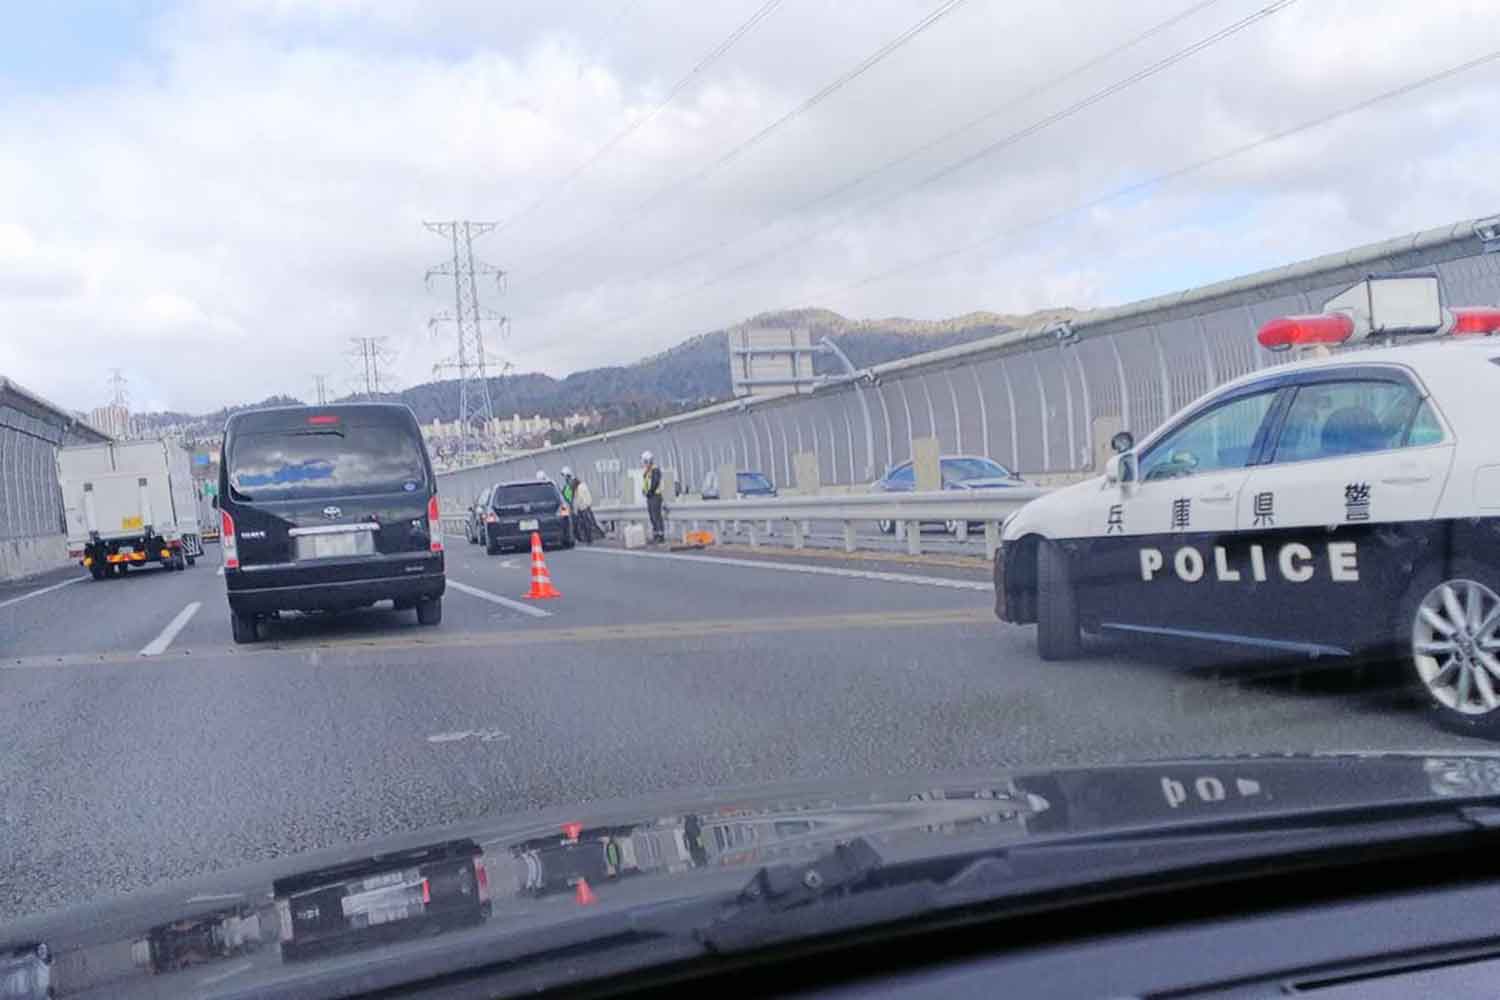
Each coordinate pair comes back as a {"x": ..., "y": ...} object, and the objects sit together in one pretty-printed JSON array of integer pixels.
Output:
[{"x": 112, "y": 419}]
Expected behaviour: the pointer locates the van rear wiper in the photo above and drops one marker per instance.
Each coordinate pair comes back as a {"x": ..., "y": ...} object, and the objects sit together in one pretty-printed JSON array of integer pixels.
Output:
[{"x": 852, "y": 886}]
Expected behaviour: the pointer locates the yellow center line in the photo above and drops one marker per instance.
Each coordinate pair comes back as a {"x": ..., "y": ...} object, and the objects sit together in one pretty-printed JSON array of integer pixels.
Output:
[{"x": 631, "y": 632}]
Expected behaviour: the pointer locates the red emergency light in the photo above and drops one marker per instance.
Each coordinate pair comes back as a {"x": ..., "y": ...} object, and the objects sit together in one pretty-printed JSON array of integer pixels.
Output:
[
  {"x": 1478, "y": 321},
  {"x": 1286, "y": 332}
]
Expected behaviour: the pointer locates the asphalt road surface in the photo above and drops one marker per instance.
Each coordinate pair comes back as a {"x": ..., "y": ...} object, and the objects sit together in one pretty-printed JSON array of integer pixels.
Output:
[{"x": 138, "y": 743}]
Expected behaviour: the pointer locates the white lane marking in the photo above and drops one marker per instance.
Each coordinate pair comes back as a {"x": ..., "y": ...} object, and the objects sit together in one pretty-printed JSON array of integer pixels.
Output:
[
  {"x": 485, "y": 595},
  {"x": 219, "y": 977},
  {"x": 216, "y": 897},
  {"x": 508, "y": 564},
  {"x": 858, "y": 574},
  {"x": 482, "y": 735},
  {"x": 219, "y": 571},
  {"x": 44, "y": 590},
  {"x": 159, "y": 645}
]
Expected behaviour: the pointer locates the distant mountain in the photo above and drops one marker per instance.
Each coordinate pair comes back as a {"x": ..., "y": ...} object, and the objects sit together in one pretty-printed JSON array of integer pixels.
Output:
[{"x": 692, "y": 374}]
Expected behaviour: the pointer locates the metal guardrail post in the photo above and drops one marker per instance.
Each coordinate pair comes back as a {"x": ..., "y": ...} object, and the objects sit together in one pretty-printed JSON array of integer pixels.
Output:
[
  {"x": 991, "y": 539},
  {"x": 913, "y": 538},
  {"x": 750, "y": 530},
  {"x": 799, "y": 535},
  {"x": 962, "y": 534},
  {"x": 849, "y": 539}
]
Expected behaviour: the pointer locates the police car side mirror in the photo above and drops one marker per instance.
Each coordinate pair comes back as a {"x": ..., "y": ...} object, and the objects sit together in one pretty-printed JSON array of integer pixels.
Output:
[
  {"x": 1120, "y": 470},
  {"x": 1122, "y": 442}
]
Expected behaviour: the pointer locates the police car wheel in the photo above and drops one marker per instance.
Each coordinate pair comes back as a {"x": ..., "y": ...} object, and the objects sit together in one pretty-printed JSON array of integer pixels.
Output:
[
  {"x": 886, "y": 527},
  {"x": 1454, "y": 634},
  {"x": 1058, "y": 635}
]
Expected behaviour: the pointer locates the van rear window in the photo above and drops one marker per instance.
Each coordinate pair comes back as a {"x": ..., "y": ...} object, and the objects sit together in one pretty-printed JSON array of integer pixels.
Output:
[
  {"x": 525, "y": 493},
  {"x": 350, "y": 460}
]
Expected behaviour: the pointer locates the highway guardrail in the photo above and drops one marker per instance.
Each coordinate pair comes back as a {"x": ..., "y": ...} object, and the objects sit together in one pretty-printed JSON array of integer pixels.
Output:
[{"x": 906, "y": 510}]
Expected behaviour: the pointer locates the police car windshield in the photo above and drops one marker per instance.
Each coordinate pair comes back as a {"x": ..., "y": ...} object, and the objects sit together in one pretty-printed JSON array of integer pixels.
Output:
[{"x": 349, "y": 460}]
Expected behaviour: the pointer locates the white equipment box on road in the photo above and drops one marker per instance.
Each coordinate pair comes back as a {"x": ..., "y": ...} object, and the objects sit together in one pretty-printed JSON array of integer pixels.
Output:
[{"x": 129, "y": 503}]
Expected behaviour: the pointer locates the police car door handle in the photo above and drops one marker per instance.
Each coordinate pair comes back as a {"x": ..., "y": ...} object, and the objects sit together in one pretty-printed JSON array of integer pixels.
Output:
[
  {"x": 1407, "y": 479},
  {"x": 1220, "y": 495}
]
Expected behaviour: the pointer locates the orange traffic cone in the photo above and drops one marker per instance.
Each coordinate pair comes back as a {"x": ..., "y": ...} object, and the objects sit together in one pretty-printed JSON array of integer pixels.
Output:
[
  {"x": 583, "y": 894},
  {"x": 541, "y": 583}
]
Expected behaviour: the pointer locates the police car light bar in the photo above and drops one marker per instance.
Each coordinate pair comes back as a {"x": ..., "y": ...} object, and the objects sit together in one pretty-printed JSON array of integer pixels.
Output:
[
  {"x": 1480, "y": 321},
  {"x": 1286, "y": 332}
]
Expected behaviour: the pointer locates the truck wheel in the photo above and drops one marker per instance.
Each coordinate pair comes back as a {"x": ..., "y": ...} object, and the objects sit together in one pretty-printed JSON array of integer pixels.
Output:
[
  {"x": 1057, "y": 628},
  {"x": 192, "y": 559},
  {"x": 244, "y": 627},
  {"x": 97, "y": 571},
  {"x": 179, "y": 561},
  {"x": 430, "y": 611}
]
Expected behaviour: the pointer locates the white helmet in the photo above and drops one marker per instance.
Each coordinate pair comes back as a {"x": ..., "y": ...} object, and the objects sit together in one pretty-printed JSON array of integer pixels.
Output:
[
  {"x": 645, "y": 456},
  {"x": 567, "y": 471}
]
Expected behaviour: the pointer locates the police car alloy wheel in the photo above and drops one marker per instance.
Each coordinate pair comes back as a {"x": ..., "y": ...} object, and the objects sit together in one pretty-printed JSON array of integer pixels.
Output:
[{"x": 1456, "y": 650}]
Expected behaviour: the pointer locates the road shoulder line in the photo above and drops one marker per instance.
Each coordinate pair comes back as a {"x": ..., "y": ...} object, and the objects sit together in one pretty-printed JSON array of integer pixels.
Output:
[{"x": 40, "y": 591}]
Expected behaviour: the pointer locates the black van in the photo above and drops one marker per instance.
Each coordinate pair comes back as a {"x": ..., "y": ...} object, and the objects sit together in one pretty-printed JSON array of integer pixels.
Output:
[{"x": 328, "y": 508}]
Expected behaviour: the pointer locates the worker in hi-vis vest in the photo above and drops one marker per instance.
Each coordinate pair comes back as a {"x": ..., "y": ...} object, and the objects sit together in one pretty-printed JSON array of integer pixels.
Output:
[{"x": 651, "y": 487}]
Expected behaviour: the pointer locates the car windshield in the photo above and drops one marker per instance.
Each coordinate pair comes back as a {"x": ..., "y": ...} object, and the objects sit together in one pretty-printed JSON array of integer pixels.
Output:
[
  {"x": 961, "y": 469},
  {"x": 462, "y": 461},
  {"x": 354, "y": 460}
]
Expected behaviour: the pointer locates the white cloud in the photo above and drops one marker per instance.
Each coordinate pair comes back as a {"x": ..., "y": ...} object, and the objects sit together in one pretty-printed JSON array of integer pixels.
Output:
[{"x": 252, "y": 187}]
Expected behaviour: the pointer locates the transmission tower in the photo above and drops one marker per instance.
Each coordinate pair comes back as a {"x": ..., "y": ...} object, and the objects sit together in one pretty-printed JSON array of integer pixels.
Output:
[
  {"x": 373, "y": 360},
  {"x": 468, "y": 317},
  {"x": 118, "y": 382}
]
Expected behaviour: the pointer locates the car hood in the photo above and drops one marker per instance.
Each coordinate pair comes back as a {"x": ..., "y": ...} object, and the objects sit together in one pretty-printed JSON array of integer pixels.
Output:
[{"x": 232, "y": 931}]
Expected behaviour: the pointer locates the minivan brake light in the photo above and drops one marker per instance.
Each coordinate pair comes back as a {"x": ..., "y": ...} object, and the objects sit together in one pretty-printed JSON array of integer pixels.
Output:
[
  {"x": 228, "y": 544},
  {"x": 434, "y": 525}
]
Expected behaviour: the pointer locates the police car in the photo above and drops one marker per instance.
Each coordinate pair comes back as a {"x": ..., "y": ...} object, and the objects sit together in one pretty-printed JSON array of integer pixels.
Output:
[{"x": 1342, "y": 504}]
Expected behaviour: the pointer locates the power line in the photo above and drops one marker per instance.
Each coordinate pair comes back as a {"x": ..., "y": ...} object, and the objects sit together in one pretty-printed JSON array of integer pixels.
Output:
[
  {"x": 940, "y": 140},
  {"x": 1183, "y": 171},
  {"x": 1010, "y": 139},
  {"x": 1160, "y": 179},
  {"x": 677, "y": 88},
  {"x": 676, "y": 186}
]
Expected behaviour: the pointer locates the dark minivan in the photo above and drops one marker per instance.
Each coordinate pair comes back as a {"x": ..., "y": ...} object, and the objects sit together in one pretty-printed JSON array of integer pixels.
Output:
[
  {"x": 518, "y": 510},
  {"x": 328, "y": 508}
]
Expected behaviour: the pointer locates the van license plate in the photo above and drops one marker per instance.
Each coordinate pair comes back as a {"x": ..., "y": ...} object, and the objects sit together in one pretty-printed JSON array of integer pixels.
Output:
[
  {"x": 335, "y": 546},
  {"x": 529, "y": 525}
]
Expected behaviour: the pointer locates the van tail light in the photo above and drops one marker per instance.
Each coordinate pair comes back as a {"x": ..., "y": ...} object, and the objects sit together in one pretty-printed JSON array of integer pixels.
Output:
[
  {"x": 482, "y": 880},
  {"x": 434, "y": 524},
  {"x": 1475, "y": 321},
  {"x": 227, "y": 542}
]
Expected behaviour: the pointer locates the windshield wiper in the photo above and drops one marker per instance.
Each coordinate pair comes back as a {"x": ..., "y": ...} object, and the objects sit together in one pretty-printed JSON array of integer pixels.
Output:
[{"x": 853, "y": 887}]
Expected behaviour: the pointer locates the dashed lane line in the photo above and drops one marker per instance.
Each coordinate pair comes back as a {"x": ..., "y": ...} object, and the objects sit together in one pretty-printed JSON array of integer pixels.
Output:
[
  {"x": 159, "y": 645},
  {"x": 784, "y": 567},
  {"x": 42, "y": 590},
  {"x": 506, "y": 602}
]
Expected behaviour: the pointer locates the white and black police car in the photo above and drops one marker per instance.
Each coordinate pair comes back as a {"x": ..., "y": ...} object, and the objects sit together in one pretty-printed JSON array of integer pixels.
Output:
[{"x": 1343, "y": 504}]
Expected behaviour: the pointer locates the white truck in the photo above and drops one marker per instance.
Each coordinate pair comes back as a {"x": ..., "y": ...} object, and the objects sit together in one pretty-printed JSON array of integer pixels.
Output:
[{"x": 129, "y": 503}]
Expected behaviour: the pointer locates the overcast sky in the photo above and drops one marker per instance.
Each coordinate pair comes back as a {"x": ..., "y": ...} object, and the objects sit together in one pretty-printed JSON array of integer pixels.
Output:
[{"x": 214, "y": 196}]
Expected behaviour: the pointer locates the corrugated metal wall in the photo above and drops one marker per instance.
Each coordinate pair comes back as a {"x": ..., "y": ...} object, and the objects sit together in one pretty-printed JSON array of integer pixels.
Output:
[
  {"x": 1030, "y": 400},
  {"x": 30, "y": 500}
]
